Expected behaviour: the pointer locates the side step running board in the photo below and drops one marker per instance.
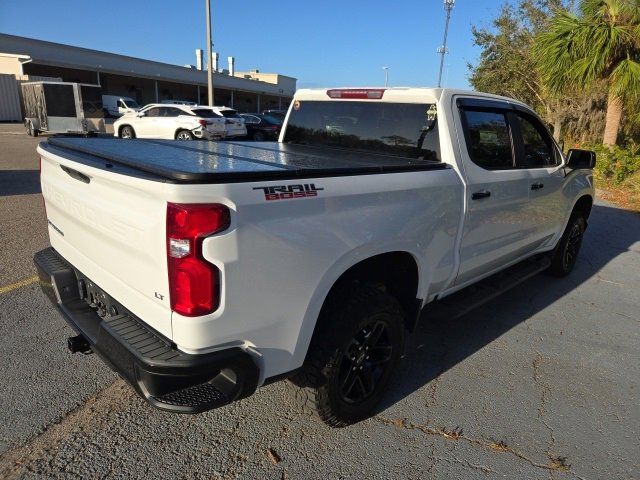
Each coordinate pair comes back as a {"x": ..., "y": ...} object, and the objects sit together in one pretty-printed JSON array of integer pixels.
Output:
[{"x": 471, "y": 297}]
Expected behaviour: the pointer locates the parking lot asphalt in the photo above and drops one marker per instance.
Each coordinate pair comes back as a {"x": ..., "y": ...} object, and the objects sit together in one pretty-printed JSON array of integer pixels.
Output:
[{"x": 542, "y": 382}]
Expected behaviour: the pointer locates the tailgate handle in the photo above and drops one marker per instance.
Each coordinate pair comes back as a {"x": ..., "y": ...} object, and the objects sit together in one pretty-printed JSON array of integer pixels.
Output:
[{"x": 76, "y": 174}]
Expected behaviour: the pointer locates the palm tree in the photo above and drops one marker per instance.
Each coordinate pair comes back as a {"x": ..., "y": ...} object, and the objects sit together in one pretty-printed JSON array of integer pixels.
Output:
[{"x": 601, "y": 43}]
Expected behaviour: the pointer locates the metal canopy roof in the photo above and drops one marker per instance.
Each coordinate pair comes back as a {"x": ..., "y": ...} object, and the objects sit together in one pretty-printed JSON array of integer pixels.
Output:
[{"x": 59, "y": 55}]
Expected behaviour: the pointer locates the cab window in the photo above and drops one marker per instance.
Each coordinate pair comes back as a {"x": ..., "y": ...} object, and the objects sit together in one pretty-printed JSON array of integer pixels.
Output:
[
  {"x": 488, "y": 139},
  {"x": 538, "y": 150}
]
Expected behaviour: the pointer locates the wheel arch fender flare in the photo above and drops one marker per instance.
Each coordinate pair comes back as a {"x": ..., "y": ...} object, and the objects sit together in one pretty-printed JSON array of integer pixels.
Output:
[{"x": 339, "y": 271}]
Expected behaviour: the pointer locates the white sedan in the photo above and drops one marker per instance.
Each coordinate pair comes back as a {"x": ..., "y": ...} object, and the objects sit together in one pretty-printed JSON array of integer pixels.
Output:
[{"x": 180, "y": 122}]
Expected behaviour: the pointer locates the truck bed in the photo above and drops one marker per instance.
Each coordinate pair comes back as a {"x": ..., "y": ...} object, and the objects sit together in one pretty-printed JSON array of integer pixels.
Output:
[{"x": 220, "y": 162}]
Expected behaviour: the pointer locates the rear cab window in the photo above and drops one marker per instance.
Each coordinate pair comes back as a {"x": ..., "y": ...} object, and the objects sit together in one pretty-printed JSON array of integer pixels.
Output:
[{"x": 400, "y": 129}]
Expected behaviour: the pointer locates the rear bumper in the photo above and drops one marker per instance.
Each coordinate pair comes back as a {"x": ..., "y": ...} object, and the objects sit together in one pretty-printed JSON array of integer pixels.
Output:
[
  {"x": 208, "y": 134},
  {"x": 164, "y": 376}
]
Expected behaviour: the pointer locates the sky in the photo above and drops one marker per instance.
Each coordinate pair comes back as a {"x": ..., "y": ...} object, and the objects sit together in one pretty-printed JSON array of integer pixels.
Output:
[{"x": 323, "y": 44}]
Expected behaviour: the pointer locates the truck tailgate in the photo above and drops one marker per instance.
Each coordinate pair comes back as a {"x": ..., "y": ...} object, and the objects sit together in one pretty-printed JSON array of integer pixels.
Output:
[{"x": 111, "y": 227}]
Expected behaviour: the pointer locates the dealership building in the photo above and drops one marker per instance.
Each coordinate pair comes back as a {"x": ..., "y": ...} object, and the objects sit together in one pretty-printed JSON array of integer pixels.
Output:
[{"x": 26, "y": 59}]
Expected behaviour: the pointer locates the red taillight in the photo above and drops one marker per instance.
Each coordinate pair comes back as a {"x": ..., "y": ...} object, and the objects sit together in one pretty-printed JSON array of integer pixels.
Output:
[
  {"x": 204, "y": 123},
  {"x": 357, "y": 93},
  {"x": 194, "y": 283}
]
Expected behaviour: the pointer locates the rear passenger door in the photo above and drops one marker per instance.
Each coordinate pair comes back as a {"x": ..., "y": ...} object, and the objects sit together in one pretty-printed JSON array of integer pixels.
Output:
[
  {"x": 539, "y": 157},
  {"x": 496, "y": 230}
]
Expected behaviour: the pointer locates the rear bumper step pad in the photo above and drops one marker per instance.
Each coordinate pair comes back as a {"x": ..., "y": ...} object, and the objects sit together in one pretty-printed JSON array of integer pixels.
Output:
[{"x": 161, "y": 374}]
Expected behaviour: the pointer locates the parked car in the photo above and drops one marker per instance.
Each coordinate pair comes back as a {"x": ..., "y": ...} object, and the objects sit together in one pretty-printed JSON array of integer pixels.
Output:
[
  {"x": 116, "y": 106},
  {"x": 180, "y": 122},
  {"x": 261, "y": 127},
  {"x": 62, "y": 107},
  {"x": 179, "y": 102},
  {"x": 234, "y": 123},
  {"x": 279, "y": 114},
  {"x": 200, "y": 273}
]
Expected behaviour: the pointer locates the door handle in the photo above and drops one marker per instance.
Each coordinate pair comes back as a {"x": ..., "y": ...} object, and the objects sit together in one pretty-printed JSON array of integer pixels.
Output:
[
  {"x": 537, "y": 186},
  {"x": 480, "y": 194}
]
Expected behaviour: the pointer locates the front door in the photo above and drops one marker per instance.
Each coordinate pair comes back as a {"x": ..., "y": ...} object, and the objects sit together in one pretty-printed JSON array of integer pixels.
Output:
[
  {"x": 146, "y": 126},
  {"x": 538, "y": 155}
]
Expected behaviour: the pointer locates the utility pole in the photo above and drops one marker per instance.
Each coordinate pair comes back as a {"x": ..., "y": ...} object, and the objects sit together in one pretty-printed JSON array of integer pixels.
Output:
[
  {"x": 386, "y": 76},
  {"x": 209, "y": 55},
  {"x": 448, "y": 6}
]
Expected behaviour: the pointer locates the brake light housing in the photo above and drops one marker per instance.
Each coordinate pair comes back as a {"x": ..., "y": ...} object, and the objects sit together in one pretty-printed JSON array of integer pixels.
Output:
[
  {"x": 356, "y": 93},
  {"x": 204, "y": 123},
  {"x": 194, "y": 283}
]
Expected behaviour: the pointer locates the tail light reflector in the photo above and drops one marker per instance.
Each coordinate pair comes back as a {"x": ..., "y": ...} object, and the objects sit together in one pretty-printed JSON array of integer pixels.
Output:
[
  {"x": 357, "y": 93},
  {"x": 194, "y": 283},
  {"x": 204, "y": 123}
]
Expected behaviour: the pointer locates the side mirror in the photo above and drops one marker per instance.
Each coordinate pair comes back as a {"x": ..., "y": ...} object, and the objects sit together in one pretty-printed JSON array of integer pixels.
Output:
[
  {"x": 577, "y": 159},
  {"x": 139, "y": 114}
]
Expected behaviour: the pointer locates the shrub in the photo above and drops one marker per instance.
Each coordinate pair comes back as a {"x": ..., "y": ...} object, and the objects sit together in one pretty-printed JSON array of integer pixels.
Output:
[{"x": 617, "y": 163}]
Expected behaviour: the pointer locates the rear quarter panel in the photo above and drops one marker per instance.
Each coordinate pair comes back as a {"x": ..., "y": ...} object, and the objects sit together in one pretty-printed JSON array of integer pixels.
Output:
[{"x": 280, "y": 258}]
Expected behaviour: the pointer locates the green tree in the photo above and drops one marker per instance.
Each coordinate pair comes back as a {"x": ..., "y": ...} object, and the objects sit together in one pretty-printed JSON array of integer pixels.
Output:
[
  {"x": 598, "y": 43},
  {"x": 507, "y": 65}
]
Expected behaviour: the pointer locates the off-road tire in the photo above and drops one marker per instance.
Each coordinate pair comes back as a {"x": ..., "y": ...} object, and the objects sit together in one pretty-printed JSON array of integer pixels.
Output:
[
  {"x": 340, "y": 322},
  {"x": 565, "y": 255}
]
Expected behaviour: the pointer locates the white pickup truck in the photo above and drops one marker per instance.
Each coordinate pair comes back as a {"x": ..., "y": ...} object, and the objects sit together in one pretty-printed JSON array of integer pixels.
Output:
[{"x": 201, "y": 271}]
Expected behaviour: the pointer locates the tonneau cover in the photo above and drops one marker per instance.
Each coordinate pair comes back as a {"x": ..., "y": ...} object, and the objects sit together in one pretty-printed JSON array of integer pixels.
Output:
[{"x": 216, "y": 162}]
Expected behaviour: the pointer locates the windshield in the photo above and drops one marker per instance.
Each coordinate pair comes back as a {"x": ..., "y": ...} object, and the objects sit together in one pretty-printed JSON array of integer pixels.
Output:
[
  {"x": 403, "y": 129},
  {"x": 131, "y": 103},
  {"x": 272, "y": 120}
]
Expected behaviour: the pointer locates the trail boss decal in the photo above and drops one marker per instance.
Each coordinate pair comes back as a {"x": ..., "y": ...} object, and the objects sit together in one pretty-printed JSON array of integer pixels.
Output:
[{"x": 284, "y": 192}]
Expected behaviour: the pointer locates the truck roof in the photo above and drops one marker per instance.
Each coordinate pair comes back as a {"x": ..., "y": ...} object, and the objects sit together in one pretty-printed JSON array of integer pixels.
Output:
[
  {"x": 221, "y": 162},
  {"x": 400, "y": 94}
]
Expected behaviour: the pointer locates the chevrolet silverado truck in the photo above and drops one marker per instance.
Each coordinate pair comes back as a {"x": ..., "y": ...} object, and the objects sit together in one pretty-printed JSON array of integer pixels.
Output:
[{"x": 202, "y": 271}]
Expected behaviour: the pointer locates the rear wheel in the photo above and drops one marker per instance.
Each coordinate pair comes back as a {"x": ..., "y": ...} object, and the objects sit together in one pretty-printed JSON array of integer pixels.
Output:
[
  {"x": 184, "y": 135},
  {"x": 565, "y": 255},
  {"x": 353, "y": 354},
  {"x": 127, "y": 132},
  {"x": 258, "y": 136}
]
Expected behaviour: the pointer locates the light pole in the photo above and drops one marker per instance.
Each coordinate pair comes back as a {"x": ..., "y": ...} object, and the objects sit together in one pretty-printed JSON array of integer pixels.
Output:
[
  {"x": 209, "y": 56},
  {"x": 448, "y": 6},
  {"x": 386, "y": 76}
]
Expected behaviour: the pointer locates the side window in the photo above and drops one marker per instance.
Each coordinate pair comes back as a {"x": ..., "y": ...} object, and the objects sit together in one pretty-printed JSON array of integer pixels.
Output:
[
  {"x": 250, "y": 119},
  {"x": 153, "y": 112},
  {"x": 538, "y": 148},
  {"x": 488, "y": 139},
  {"x": 173, "y": 112}
]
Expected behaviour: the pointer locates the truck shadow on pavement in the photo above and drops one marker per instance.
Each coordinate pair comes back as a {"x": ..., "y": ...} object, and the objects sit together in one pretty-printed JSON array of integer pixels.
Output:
[
  {"x": 19, "y": 182},
  {"x": 436, "y": 347}
]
